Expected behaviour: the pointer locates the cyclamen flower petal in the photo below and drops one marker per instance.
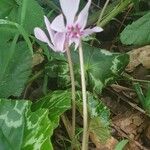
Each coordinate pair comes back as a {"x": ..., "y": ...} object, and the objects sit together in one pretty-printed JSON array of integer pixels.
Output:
[
  {"x": 74, "y": 29},
  {"x": 40, "y": 35},
  {"x": 89, "y": 31},
  {"x": 58, "y": 24},
  {"x": 50, "y": 31},
  {"x": 69, "y": 8},
  {"x": 58, "y": 39},
  {"x": 83, "y": 15}
]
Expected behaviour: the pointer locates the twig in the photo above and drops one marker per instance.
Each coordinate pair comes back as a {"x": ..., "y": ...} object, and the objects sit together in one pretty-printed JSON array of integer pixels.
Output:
[
  {"x": 126, "y": 136},
  {"x": 68, "y": 127},
  {"x": 102, "y": 12}
]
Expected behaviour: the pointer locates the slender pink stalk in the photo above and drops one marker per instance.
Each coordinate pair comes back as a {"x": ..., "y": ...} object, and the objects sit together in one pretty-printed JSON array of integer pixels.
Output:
[
  {"x": 84, "y": 97},
  {"x": 73, "y": 94}
]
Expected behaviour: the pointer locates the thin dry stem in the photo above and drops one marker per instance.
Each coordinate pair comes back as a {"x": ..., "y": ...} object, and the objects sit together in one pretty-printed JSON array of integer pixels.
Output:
[
  {"x": 84, "y": 97},
  {"x": 102, "y": 12}
]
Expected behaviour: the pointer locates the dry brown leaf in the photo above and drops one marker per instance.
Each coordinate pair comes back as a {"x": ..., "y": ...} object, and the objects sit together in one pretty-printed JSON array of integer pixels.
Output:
[
  {"x": 129, "y": 122},
  {"x": 139, "y": 56},
  {"x": 37, "y": 59},
  {"x": 109, "y": 145}
]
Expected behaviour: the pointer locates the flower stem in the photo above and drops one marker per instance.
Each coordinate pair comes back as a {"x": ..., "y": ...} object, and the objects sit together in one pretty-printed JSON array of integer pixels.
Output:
[
  {"x": 84, "y": 97},
  {"x": 73, "y": 94}
]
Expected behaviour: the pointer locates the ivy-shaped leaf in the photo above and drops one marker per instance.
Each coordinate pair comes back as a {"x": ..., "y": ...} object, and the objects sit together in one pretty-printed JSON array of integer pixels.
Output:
[
  {"x": 56, "y": 102},
  {"x": 24, "y": 128},
  {"x": 102, "y": 68}
]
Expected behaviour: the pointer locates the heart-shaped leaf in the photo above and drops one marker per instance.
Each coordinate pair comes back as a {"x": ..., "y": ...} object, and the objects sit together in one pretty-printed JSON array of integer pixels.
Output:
[
  {"x": 56, "y": 102},
  {"x": 21, "y": 128},
  {"x": 102, "y": 68}
]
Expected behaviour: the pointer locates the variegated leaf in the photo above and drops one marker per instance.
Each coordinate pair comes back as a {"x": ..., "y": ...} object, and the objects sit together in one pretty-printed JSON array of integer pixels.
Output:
[
  {"x": 102, "y": 68},
  {"x": 21, "y": 128}
]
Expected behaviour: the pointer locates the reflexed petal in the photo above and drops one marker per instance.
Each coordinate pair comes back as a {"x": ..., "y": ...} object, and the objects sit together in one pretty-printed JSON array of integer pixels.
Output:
[
  {"x": 59, "y": 40},
  {"x": 40, "y": 35},
  {"x": 58, "y": 24},
  {"x": 83, "y": 15},
  {"x": 89, "y": 31},
  {"x": 50, "y": 31},
  {"x": 69, "y": 8}
]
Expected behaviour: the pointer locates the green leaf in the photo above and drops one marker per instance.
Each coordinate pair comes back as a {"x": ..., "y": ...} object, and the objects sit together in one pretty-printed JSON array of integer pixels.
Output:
[
  {"x": 15, "y": 67},
  {"x": 140, "y": 93},
  {"x": 56, "y": 102},
  {"x": 143, "y": 99},
  {"x": 99, "y": 116},
  {"x": 22, "y": 129},
  {"x": 21, "y": 30},
  {"x": 7, "y": 33},
  {"x": 31, "y": 15},
  {"x": 37, "y": 130},
  {"x": 102, "y": 68},
  {"x": 7, "y": 8},
  {"x": 121, "y": 145},
  {"x": 147, "y": 100},
  {"x": 138, "y": 32},
  {"x": 28, "y": 13}
]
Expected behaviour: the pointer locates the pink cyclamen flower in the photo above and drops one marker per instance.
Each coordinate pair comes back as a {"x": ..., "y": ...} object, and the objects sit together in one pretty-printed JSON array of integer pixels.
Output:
[
  {"x": 57, "y": 38},
  {"x": 75, "y": 26}
]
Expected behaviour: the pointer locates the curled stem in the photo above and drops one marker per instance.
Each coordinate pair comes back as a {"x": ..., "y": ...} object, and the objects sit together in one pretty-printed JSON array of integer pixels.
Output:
[
  {"x": 84, "y": 97},
  {"x": 73, "y": 94}
]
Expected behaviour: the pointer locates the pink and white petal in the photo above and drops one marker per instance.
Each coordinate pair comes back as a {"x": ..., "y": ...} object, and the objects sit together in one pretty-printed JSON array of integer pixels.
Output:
[
  {"x": 69, "y": 8},
  {"x": 59, "y": 40},
  {"x": 50, "y": 31},
  {"x": 58, "y": 24},
  {"x": 40, "y": 35},
  {"x": 83, "y": 15},
  {"x": 89, "y": 31}
]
